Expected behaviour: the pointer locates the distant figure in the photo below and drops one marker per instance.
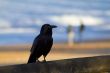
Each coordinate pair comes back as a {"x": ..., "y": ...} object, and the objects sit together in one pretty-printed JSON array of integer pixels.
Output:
[
  {"x": 42, "y": 43},
  {"x": 70, "y": 35},
  {"x": 81, "y": 26},
  {"x": 81, "y": 29}
]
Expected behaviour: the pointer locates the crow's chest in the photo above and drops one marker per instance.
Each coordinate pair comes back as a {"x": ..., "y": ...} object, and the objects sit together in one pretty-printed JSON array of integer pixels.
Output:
[{"x": 47, "y": 42}]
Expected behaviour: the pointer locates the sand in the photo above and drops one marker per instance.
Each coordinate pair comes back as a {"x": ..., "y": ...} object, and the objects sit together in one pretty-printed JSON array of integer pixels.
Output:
[{"x": 18, "y": 54}]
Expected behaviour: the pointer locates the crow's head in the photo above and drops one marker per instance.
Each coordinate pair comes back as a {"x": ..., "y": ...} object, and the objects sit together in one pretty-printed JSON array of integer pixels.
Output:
[{"x": 47, "y": 29}]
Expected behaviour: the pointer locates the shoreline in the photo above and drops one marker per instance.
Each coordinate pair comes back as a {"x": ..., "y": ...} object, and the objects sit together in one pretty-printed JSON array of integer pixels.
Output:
[{"x": 83, "y": 45}]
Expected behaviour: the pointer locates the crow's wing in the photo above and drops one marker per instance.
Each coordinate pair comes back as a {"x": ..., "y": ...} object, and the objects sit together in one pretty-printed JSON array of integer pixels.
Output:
[
  {"x": 35, "y": 43},
  {"x": 39, "y": 43}
]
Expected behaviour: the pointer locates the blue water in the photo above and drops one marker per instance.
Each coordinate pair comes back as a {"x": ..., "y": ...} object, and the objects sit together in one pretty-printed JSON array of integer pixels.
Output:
[
  {"x": 33, "y": 13},
  {"x": 28, "y": 38}
]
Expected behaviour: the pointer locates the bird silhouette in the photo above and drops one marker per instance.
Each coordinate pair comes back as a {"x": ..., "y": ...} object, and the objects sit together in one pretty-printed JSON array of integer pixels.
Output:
[{"x": 42, "y": 43}]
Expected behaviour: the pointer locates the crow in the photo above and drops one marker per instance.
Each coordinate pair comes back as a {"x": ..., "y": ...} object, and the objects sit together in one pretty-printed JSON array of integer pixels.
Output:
[{"x": 42, "y": 43}]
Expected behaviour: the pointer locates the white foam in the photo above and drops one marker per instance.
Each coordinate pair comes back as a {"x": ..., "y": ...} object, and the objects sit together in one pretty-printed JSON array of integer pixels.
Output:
[{"x": 75, "y": 20}]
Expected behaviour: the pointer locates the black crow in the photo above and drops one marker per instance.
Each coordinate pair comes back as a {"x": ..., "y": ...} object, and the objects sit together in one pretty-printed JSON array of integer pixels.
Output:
[{"x": 42, "y": 43}]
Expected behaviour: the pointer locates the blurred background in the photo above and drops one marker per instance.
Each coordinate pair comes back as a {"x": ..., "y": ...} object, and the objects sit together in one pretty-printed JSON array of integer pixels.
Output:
[{"x": 83, "y": 28}]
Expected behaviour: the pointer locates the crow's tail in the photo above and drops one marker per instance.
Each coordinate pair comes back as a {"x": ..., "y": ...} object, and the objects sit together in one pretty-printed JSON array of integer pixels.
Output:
[{"x": 32, "y": 58}]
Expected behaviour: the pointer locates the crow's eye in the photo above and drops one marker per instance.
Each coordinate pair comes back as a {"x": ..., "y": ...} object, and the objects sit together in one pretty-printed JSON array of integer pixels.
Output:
[{"x": 48, "y": 27}]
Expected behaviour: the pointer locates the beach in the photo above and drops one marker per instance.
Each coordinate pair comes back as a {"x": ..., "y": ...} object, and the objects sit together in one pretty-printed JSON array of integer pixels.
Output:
[{"x": 18, "y": 54}]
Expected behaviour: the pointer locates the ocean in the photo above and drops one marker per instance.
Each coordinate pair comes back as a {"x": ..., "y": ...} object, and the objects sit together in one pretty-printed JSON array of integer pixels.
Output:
[{"x": 21, "y": 20}]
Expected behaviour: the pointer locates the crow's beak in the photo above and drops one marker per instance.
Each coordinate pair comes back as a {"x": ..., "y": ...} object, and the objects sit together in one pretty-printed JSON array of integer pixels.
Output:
[{"x": 53, "y": 26}]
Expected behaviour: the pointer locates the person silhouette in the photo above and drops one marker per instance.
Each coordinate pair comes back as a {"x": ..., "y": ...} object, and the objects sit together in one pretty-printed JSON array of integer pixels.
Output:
[
  {"x": 81, "y": 29},
  {"x": 70, "y": 35}
]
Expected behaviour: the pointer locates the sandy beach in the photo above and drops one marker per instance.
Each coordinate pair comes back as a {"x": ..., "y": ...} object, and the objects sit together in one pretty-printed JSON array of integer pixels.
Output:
[{"x": 18, "y": 54}]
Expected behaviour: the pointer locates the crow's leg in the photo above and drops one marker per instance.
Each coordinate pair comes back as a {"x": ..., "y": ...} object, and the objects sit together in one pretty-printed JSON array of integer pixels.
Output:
[
  {"x": 37, "y": 60},
  {"x": 44, "y": 58}
]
